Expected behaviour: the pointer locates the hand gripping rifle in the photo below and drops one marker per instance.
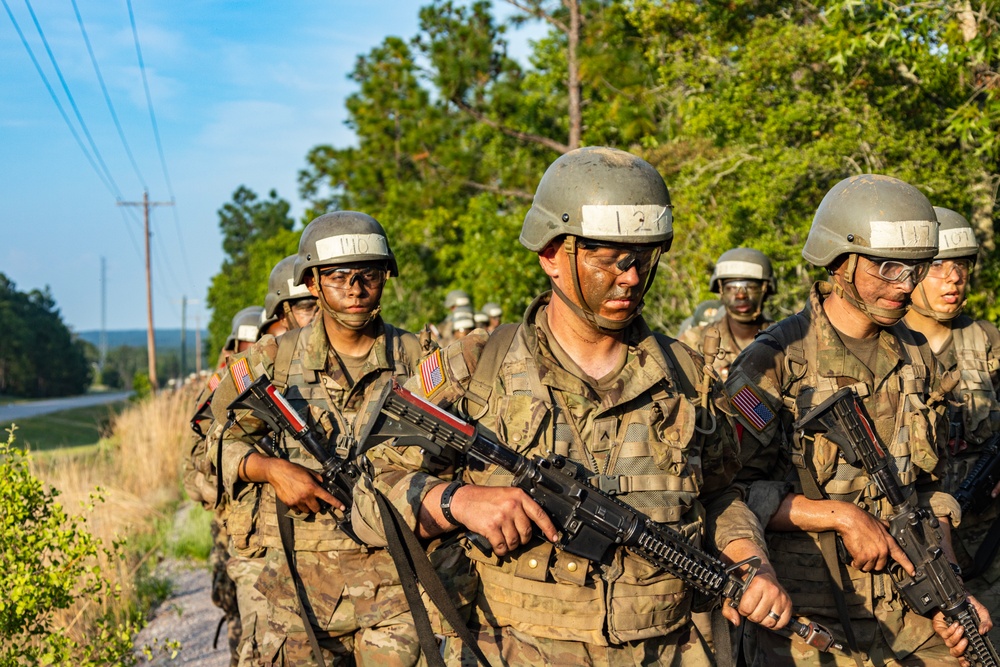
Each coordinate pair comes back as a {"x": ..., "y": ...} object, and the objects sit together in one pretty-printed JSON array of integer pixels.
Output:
[
  {"x": 589, "y": 521},
  {"x": 934, "y": 584},
  {"x": 339, "y": 474}
]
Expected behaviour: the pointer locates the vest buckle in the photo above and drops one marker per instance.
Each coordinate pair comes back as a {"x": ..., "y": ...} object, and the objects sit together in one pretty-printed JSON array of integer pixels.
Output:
[{"x": 609, "y": 484}]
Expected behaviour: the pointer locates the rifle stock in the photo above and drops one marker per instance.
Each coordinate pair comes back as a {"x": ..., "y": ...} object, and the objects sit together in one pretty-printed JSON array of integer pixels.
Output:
[
  {"x": 934, "y": 584},
  {"x": 591, "y": 523}
]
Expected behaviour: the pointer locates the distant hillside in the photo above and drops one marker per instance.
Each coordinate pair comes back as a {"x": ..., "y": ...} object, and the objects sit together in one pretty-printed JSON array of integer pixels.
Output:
[{"x": 165, "y": 338}]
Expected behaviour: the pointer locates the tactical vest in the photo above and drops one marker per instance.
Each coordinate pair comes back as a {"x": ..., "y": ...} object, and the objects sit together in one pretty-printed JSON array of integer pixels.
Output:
[
  {"x": 648, "y": 455},
  {"x": 904, "y": 424},
  {"x": 335, "y": 411}
]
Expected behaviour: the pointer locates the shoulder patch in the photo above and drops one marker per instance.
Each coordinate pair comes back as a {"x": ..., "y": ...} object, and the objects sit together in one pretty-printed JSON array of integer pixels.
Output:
[
  {"x": 242, "y": 377},
  {"x": 749, "y": 404},
  {"x": 431, "y": 373},
  {"x": 213, "y": 381}
]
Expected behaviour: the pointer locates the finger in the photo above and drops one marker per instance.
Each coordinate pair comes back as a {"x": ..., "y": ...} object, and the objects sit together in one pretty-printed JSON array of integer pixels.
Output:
[
  {"x": 329, "y": 498},
  {"x": 525, "y": 529},
  {"x": 900, "y": 557},
  {"x": 535, "y": 512},
  {"x": 511, "y": 536},
  {"x": 730, "y": 614}
]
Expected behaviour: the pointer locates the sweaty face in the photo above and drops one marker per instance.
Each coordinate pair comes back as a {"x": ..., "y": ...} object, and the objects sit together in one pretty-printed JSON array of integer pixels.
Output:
[
  {"x": 742, "y": 297},
  {"x": 878, "y": 291},
  {"x": 945, "y": 286},
  {"x": 612, "y": 276},
  {"x": 350, "y": 289}
]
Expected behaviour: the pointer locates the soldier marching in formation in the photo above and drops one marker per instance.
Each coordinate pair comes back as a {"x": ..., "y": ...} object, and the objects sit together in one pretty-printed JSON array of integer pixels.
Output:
[{"x": 704, "y": 446}]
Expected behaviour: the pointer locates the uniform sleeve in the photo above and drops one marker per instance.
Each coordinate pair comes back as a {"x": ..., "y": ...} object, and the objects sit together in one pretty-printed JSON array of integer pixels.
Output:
[
  {"x": 405, "y": 474},
  {"x": 754, "y": 396}
]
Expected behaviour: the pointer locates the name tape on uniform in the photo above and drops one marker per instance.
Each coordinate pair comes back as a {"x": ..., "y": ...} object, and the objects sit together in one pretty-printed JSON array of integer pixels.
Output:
[
  {"x": 626, "y": 220},
  {"x": 738, "y": 268},
  {"x": 348, "y": 245},
  {"x": 903, "y": 234},
  {"x": 957, "y": 239},
  {"x": 295, "y": 291}
]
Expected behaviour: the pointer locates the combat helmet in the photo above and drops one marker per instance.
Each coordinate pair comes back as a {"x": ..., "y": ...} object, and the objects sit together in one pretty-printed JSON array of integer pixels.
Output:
[
  {"x": 343, "y": 237},
  {"x": 602, "y": 194},
  {"x": 245, "y": 327},
  {"x": 875, "y": 216},
  {"x": 744, "y": 264},
  {"x": 492, "y": 309},
  {"x": 281, "y": 288},
  {"x": 455, "y": 298},
  {"x": 956, "y": 240}
]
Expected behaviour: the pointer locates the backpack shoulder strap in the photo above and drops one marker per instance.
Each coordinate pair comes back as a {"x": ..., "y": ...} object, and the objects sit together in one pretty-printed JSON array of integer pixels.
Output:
[
  {"x": 287, "y": 342},
  {"x": 481, "y": 384}
]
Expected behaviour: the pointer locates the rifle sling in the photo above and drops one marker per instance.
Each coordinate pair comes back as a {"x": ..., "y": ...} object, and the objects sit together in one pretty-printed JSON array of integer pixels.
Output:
[
  {"x": 285, "y": 529},
  {"x": 986, "y": 552},
  {"x": 828, "y": 547},
  {"x": 413, "y": 565}
]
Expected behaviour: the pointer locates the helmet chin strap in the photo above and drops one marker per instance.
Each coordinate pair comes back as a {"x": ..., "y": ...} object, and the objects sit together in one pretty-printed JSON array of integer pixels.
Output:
[
  {"x": 585, "y": 311},
  {"x": 933, "y": 314},
  {"x": 850, "y": 294},
  {"x": 352, "y": 321}
]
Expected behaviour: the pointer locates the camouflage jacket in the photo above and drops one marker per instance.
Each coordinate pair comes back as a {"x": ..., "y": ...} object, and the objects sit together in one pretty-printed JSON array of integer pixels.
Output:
[
  {"x": 198, "y": 474},
  {"x": 639, "y": 431},
  {"x": 316, "y": 385},
  {"x": 729, "y": 348},
  {"x": 787, "y": 370}
]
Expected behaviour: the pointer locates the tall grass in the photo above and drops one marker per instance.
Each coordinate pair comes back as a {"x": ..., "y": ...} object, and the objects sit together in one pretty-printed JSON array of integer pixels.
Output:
[{"x": 137, "y": 472}]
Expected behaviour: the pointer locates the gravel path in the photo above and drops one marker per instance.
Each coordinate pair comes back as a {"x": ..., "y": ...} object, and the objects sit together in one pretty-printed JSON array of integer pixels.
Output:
[{"x": 187, "y": 616}]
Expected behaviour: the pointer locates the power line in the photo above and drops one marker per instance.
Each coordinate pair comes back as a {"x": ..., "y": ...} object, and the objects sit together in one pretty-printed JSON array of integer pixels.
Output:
[
  {"x": 159, "y": 143},
  {"x": 107, "y": 97},
  {"x": 59, "y": 106},
  {"x": 72, "y": 102}
]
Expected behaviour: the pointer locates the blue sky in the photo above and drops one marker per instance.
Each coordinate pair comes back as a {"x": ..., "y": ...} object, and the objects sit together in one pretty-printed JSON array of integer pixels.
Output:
[{"x": 241, "y": 91}]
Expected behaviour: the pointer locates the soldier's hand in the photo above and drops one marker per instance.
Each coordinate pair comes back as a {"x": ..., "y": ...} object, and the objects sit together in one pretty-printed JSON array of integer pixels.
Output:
[
  {"x": 298, "y": 487},
  {"x": 868, "y": 541},
  {"x": 953, "y": 635},
  {"x": 503, "y": 515},
  {"x": 765, "y": 601}
]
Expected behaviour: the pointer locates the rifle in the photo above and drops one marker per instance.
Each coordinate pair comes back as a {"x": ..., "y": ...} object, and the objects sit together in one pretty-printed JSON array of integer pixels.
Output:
[
  {"x": 973, "y": 494},
  {"x": 339, "y": 475},
  {"x": 934, "y": 584},
  {"x": 591, "y": 523}
]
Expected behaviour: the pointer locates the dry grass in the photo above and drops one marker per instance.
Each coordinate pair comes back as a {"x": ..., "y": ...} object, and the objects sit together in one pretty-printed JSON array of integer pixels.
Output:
[{"x": 137, "y": 470}]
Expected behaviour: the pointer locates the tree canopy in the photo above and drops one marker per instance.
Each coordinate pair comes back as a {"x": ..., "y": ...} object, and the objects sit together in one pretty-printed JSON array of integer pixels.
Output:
[{"x": 751, "y": 110}]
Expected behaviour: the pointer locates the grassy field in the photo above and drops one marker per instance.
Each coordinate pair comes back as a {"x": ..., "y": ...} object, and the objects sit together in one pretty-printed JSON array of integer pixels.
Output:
[{"x": 67, "y": 429}]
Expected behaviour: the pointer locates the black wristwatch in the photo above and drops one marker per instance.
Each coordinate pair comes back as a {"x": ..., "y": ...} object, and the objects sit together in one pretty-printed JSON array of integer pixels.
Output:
[{"x": 446, "y": 498}]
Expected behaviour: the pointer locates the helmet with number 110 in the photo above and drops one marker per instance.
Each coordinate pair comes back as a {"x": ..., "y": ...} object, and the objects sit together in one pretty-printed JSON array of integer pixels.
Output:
[
  {"x": 343, "y": 238},
  {"x": 880, "y": 217},
  {"x": 600, "y": 194}
]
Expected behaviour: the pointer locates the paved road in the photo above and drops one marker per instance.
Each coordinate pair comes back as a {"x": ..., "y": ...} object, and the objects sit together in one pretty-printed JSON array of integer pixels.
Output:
[{"x": 14, "y": 411}]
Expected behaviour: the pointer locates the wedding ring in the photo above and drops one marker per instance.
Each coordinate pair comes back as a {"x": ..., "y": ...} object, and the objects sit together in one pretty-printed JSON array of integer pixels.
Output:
[{"x": 776, "y": 617}]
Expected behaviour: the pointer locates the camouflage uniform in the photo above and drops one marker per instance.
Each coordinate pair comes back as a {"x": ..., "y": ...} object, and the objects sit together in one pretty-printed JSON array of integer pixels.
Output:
[
  {"x": 973, "y": 355},
  {"x": 543, "y": 606},
  {"x": 356, "y": 605},
  {"x": 729, "y": 349},
  {"x": 200, "y": 483},
  {"x": 789, "y": 369}
]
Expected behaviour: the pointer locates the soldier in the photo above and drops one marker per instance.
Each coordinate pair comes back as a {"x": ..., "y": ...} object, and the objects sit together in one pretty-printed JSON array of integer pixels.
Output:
[
  {"x": 481, "y": 319},
  {"x": 287, "y": 305},
  {"x": 967, "y": 353},
  {"x": 329, "y": 371},
  {"x": 456, "y": 298},
  {"x": 874, "y": 235},
  {"x": 705, "y": 312},
  {"x": 744, "y": 279},
  {"x": 495, "y": 314},
  {"x": 583, "y": 376},
  {"x": 463, "y": 321},
  {"x": 201, "y": 484}
]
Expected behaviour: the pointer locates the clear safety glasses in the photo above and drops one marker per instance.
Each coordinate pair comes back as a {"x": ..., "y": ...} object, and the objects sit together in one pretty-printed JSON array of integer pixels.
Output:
[
  {"x": 942, "y": 268},
  {"x": 343, "y": 278},
  {"x": 896, "y": 271}
]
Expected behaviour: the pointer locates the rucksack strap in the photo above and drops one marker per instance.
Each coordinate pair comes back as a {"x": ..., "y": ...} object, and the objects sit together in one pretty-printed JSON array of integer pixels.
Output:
[
  {"x": 484, "y": 378},
  {"x": 287, "y": 343}
]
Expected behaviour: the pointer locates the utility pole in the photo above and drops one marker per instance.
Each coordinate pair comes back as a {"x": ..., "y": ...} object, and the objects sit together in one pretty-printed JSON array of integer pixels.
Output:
[
  {"x": 150, "y": 336},
  {"x": 197, "y": 345},
  {"x": 103, "y": 341},
  {"x": 184, "y": 308}
]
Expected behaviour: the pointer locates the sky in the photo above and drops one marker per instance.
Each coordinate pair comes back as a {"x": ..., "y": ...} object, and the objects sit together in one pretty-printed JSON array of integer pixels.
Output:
[{"x": 240, "y": 92}]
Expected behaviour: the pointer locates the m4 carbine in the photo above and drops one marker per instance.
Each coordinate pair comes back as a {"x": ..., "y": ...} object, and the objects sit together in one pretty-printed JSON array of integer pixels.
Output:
[
  {"x": 974, "y": 494},
  {"x": 934, "y": 584},
  {"x": 589, "y": 521},
  {"x": 339, "y": 474}
]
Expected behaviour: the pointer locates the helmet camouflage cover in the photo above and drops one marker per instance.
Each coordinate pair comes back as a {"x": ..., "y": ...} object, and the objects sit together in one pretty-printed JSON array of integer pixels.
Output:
[{"x": 342, "y": 237}]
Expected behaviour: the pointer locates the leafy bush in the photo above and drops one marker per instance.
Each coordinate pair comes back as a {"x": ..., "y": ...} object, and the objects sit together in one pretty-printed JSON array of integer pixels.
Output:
[{"x": 48, "y": 565}]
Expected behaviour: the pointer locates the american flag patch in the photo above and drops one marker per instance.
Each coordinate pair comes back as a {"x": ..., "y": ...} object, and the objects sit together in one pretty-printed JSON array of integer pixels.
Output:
[
  {"x": 240, "y": 370},
  {"x": 213, "y": 381},
  {"x": 749, "y": 404},
  {"x": 431, "y": 373}
]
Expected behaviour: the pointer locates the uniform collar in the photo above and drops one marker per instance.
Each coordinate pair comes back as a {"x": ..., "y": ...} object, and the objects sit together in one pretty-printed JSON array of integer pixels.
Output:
[
  {"x": 317, "y": 352},
  {"x": 833, "y": 359}
]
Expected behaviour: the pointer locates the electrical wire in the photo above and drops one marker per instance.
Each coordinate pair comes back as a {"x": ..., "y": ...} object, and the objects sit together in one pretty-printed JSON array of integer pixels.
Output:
[
  {"x": 159, "y": 143},
  {"x": 107, "y": 97},
  {"x": 72, "y": 101}
]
